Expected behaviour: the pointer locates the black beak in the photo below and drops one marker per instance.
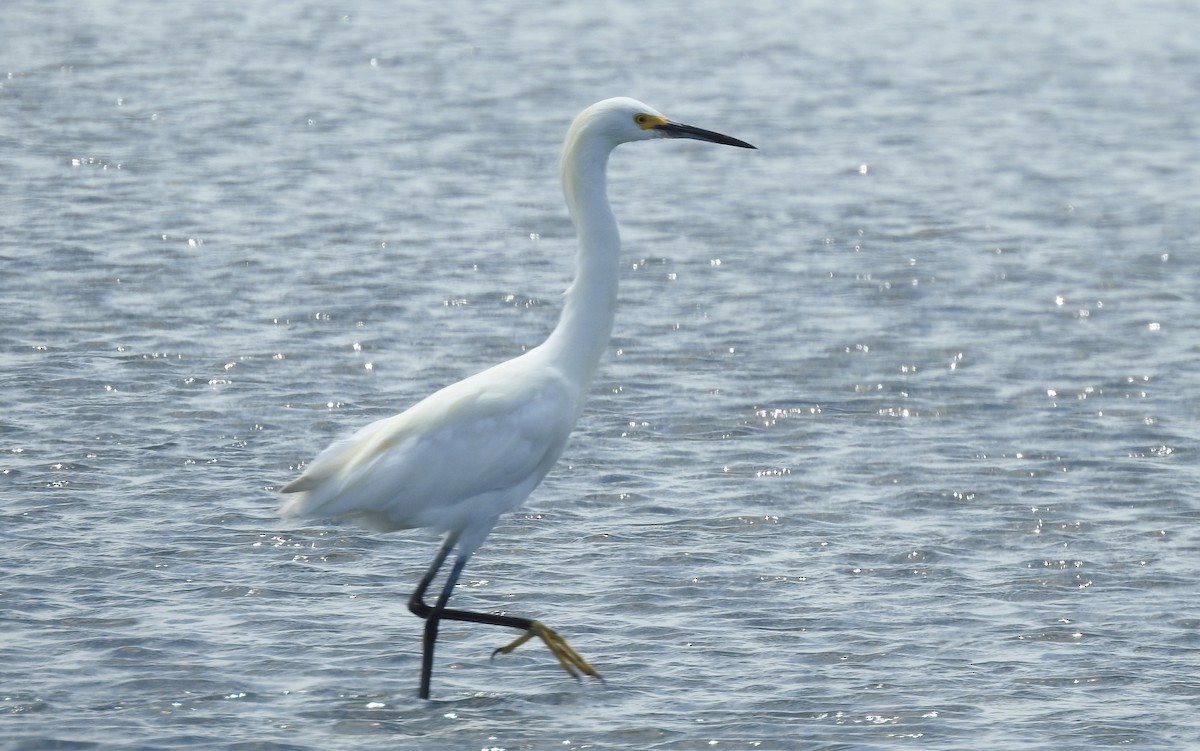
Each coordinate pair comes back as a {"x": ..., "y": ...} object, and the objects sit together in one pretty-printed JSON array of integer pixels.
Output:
[{"x": 679, "y": 130}]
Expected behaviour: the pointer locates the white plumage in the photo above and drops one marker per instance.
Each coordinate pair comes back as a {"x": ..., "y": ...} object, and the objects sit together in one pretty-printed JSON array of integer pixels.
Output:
[
  {"x": 454, "y": 461},
  {"x": 461, "y": 457}
]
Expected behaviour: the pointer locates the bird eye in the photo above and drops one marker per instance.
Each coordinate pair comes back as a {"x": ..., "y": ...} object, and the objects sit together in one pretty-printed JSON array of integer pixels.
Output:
[{"x": 643, "y": 120}]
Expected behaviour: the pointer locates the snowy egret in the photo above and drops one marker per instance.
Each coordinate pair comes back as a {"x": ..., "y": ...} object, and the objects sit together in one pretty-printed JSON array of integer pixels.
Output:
[{"x": 461, "y": 457}]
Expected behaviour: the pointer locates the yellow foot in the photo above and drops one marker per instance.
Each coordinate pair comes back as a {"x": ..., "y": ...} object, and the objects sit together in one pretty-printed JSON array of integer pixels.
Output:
[{"x": 568, "y": 658}]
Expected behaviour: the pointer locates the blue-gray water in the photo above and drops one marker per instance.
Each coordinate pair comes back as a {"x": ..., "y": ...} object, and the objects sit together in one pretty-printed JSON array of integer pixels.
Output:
[{"x": 895, "y": 446}]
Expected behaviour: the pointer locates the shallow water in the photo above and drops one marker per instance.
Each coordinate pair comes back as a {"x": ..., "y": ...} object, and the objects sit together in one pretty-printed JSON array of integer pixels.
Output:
[{"x": 894, "y": 446}]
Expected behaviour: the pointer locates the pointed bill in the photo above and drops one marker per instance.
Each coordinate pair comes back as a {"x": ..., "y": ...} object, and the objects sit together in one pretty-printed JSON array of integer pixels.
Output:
[{"x": 673, "y": 129}]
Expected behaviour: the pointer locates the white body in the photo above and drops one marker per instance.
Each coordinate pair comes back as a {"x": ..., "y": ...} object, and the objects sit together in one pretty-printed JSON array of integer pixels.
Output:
[
  {"x": 461, "y": 457},
  {"x": 454, "y": 461}
]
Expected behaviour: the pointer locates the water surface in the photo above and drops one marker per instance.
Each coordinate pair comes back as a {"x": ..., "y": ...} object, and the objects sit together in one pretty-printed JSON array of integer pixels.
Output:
[{"x": 894, "y": 446}]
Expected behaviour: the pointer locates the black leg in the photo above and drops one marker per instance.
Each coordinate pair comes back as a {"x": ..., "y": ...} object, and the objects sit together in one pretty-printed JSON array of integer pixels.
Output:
[
  {"x": 567, "y": 657},
  {"x": 432, "y": 621},
  {"x": 418, "y": 606},
  {"x": 416, "y": 603}
]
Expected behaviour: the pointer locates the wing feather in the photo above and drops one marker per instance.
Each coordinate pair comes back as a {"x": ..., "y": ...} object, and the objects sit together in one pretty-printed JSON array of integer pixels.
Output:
[{"x": 474, "y": 449}]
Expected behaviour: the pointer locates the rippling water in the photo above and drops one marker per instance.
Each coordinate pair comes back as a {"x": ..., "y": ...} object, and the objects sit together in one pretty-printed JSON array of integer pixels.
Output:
[{"x": 894, "y": 447}]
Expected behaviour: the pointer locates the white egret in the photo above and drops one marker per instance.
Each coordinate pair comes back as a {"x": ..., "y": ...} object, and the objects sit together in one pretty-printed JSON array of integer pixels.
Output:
[{"x": 461, "y": 457}]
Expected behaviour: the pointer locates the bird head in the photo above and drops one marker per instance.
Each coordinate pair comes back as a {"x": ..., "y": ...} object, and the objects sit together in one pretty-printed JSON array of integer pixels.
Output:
[{"x": 622, "y": 120}]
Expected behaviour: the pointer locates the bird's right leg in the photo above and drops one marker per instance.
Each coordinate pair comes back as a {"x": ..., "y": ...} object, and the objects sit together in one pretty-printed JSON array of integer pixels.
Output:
[
  {"x": 568, "y": 658},
  {"x": 416, "y": 603},
  {"x": 433, "y": 615}
]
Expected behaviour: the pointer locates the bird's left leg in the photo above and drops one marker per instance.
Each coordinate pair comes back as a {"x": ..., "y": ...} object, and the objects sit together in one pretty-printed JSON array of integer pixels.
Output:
[{"x": 570, "y": 660}]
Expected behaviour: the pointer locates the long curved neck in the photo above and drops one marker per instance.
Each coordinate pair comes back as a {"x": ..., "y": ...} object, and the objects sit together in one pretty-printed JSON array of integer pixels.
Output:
[{"x": 581, "y": 336}]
